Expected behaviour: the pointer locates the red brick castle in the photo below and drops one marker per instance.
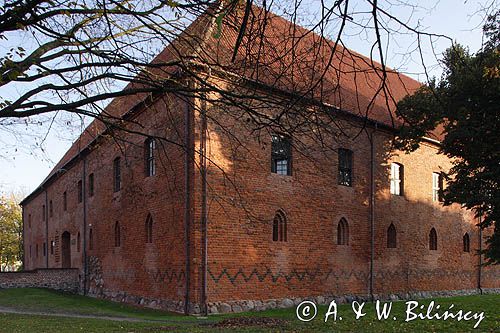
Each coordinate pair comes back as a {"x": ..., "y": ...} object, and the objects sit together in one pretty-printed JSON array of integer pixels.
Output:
[{"x": 206, "y": 212}]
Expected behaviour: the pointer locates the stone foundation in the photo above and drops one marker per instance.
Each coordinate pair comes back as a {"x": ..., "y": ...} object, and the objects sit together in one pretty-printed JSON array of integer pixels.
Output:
[{"x": 53, "y": 278}]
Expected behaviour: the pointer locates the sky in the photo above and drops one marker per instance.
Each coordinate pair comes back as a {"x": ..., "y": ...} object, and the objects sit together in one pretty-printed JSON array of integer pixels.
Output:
[{"x": 25, "y": 160}]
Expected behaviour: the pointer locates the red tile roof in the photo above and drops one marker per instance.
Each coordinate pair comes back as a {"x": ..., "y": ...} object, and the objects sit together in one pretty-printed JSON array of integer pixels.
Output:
[{"x": 277, "y": 53}]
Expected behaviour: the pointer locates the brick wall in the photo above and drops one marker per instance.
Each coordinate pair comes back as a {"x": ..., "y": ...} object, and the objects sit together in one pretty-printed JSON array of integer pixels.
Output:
[{"x": 57, "y": 279}]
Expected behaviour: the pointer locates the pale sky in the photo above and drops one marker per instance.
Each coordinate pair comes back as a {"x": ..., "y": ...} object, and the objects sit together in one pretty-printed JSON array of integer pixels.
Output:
[{"x": 24, "y": 165}]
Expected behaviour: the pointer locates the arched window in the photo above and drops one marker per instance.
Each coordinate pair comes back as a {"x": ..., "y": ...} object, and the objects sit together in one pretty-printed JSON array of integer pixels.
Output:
[
  {"x": 117, "y": 235},
  {"x": 466, "y": 243},
  {"x": 78, "y": 242},
  {"x": 433, "y": 240},
  {"x": 279, "y": 227},
  {"x": 343, "y": 232},
  {"x": 391, "y": 237},
  {"x": 149, "y": 157},
  {"x": 149, "y": 229},
  {"x": 91, "y": 239}
]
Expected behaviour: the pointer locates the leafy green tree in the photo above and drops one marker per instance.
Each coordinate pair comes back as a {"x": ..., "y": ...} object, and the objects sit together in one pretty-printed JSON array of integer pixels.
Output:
[
  {"x": 464, "y": 109},
  {"x": 11, "y": 232}
]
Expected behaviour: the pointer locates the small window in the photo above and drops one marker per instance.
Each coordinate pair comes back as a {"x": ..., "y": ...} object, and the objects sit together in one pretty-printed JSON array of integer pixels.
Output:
[
  {"x": 91, "y": 185},
  {"x": 43, "y": 213},
  {"x": 391, "y": 237},
  {"x": 117, "y": 182},
  {"x": 44, "y": 249},
  {"x": 433, "y": 240},
  {"x": 345, "y": 167},
  {"x": 91, "y": 239},
  {"x": 80, "y": 191},
  {"x": 52, "y": 244},
  {"x": 149, "y": 229},
  {"x": 117, "y": 235},
  {"x": 397, "y": 179},
  {"x": 343, "y": 232},
  {"x": 281, "y": 154},
  {"x": 29, "y": 221},
  {"x": 78, "y": 245},
  {"x": 65, "y": 201},
  {"x": 51, "y": 209},
  {"x": 149, "y": 157},
  {"x": 279, "y": 227},
  {"x": 437, "y": 186},
  {"x": 466, "y": 240}
]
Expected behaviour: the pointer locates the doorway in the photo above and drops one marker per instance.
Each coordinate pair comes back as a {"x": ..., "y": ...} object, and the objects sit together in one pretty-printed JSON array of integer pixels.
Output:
[{"x": 66, "y": 249}]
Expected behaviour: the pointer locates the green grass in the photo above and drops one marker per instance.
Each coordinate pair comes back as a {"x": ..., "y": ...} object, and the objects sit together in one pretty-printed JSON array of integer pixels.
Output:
[{"x": 50, "y": 301}]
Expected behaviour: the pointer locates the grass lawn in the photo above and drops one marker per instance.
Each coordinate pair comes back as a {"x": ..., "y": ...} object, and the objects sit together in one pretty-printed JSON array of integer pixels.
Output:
[{"x": 40, "y": 300}]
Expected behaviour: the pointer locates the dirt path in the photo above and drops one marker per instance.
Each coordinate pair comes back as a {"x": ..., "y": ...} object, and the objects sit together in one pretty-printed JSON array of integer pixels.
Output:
[{"x": 85, "y": 316}]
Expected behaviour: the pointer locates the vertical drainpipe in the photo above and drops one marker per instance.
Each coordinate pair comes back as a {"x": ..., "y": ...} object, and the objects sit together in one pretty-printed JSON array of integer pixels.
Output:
[
  {"x": 46, "y": 229},
  {"x": 23, "y": 259},
  {"x": 187, "y": 201},
  {"x": 203, "y": 169},
  {"x": 480, "y": 257},
  {"x": 372, "y": 209},
  {"x": 84, "y": 197}
]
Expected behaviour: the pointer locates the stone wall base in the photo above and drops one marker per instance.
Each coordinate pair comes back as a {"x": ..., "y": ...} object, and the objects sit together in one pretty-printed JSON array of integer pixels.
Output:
[{"x": 52, "y": 278}]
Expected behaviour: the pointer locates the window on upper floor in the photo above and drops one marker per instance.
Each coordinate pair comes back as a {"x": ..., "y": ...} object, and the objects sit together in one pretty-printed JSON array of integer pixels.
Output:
[
  {"x": 345, "y": 167},
  {"x": 281, "y": 154},
  {"x": 51, "y": 209},
  {"x": 433, "y": 240},
  {"x": 437, "y": 186},
  {"x": 29, "y": 221},
  {"x": 149, "y": 229},
  {"x": 91, "y": 185},
  {"x": 65, "y": 201},
  {"x": 397, "y": 177},
  {"x": 78, "y": 242},
  {"x": 117, "y": 181},
  {"x": 149, "y": 157},
  {"x": 391, "y": 237},
  {"x": 279, "y": 227},
  {"x": 466, "y": 242},
  {"x": 343, "y": 232},
  {"x": 80, "y": 191}
]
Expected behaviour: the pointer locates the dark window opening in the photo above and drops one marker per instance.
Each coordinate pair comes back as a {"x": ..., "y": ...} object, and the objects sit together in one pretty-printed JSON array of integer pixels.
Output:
[
  {"x": 391, "y": 237},
  {"x": 78, "y": 246},
  {"x": 279, "y": 227},
  {"x": 80, "y": 191},
  {"x": 117, "y": 235},
  {"x": 466, "y": 243},
  {"x": 44, "y": 249},
  {"x": 149, "y": 157},
  {"x": 51, "y": 209},
  {"x": 149, "y": 229},
  {"x": 65, "y": 201},
  {"x": 345, "y": 167},
  {"x": 433, "y": 240},
  {"x": 116, "y": 175},
  {"x": 281, "y": 155},
  {"x": 91, "y": 239},
  {"x": 29, "y": 221},
  {"x": 91, "y": 185},
  {"x": 52, "y": 244},
  {"x": 343, "y": 232}
]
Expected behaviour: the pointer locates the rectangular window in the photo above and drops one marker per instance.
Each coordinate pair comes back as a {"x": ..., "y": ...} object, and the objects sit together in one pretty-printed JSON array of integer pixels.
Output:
[
  {"x": 29, "y": 221},
  {"x": 51, "y": 209},
  {"x": 65, "y": 201},
  {"x": 437, "y": 186},
  {"x": 345, "y": 167},
  {"x": 80, "y": 191},
  {"x": 117, "y": 183},
  {"x": 281, "y": 155},
  {"x": 44, "y": 249},
  {"x": 396, "y": 179},
  {"x": 91, "y": 185},
  {"x": 52, "y": 244}
]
